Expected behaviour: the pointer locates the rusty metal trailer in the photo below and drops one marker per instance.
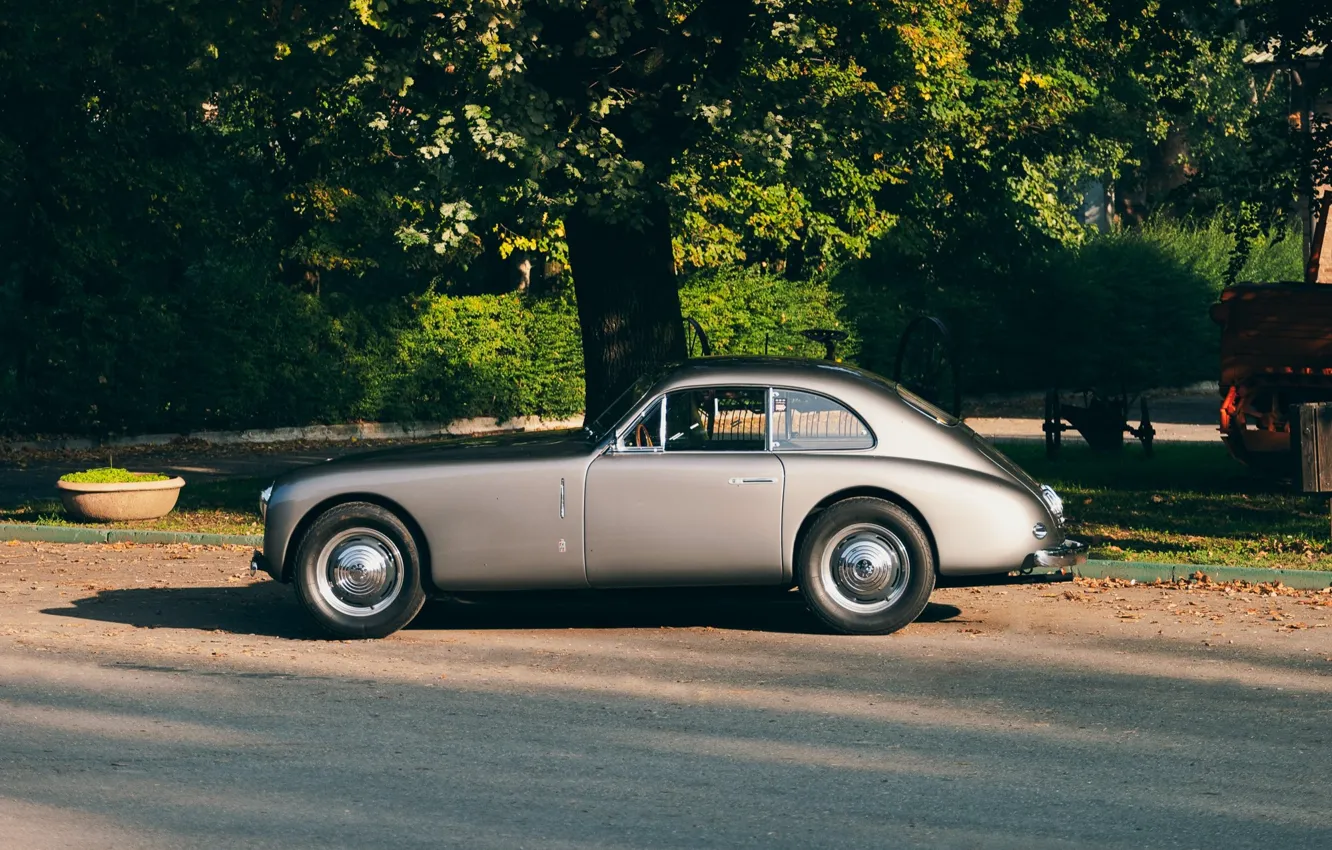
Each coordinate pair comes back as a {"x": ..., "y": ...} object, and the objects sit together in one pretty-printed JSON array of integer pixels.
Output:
[{"x": 1276, "y": 352}]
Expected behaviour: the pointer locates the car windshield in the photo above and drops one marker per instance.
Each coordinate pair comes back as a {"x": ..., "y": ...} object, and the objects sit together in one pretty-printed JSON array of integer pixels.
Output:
[{"x": 600, "y": 427}]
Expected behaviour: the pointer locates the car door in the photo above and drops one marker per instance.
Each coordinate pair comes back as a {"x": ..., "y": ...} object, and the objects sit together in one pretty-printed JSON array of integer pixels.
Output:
[{"x": 689, "y": 495}]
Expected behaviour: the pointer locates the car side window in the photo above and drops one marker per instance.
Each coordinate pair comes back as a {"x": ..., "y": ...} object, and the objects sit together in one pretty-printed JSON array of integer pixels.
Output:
[
  {"x": 726, "y": 419},
  {"x": 645, "y": 434},
  {"x": 805, "y": 421}
]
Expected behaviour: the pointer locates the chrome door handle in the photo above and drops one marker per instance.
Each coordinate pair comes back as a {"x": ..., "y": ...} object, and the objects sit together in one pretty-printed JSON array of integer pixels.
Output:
[{"x": 739, "y": 481}]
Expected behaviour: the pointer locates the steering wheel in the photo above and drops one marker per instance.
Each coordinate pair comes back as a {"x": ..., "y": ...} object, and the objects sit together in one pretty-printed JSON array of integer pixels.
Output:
[{"x": 642, "y": 436}]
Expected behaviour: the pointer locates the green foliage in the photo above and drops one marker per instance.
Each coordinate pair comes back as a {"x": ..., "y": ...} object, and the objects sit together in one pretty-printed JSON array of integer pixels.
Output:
[
  {"x": 241, "y": 353},
  {"x": 1275, "y": 256},
  {"x": 222, "y": 215},
  {"x": 1136, "y": 306},
  {"x": 111, "y": 475},
  {"x": 1126, "y": 307},
  {"x": 447, "y": 357},
  {"x": 748, "y": 311}
]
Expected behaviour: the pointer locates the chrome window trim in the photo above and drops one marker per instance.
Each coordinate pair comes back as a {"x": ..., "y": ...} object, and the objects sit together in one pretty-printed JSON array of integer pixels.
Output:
[
  {"x": 660, "y": 447},
  {"x": 766, "y": 415},
  {"x": 620, "y": 435},
  {"x": 772, "y": 395}
]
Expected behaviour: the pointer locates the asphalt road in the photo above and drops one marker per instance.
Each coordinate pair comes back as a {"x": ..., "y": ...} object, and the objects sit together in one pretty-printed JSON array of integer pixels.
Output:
[{"x": 159, "y": 697}]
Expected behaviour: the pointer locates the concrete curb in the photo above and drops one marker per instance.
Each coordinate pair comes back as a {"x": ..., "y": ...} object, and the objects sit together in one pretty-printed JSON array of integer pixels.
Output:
[
  {"x": 82, "y": 534},
  {"x": 1147, "y": 572},
  {"x": 367, "y": 431}
]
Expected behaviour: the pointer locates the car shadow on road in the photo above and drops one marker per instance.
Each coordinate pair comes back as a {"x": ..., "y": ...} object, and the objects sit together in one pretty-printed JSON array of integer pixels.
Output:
[
  {"x": 270, "y": 609},
  {"x": 760, "y": 610}
]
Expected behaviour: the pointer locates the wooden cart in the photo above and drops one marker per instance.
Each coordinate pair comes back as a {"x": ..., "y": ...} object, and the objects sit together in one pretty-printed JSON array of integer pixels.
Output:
[{"x": 1101, "y": 419}]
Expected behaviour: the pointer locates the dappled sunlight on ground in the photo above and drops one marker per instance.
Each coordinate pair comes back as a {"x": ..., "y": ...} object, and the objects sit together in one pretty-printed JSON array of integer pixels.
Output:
[{"x": 204, "y": 714}]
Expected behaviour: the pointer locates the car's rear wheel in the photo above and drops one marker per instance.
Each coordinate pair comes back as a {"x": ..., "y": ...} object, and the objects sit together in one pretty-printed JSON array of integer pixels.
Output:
[
  {"x": 358, "y": 572},
  {"x": 866, "y": 567}
]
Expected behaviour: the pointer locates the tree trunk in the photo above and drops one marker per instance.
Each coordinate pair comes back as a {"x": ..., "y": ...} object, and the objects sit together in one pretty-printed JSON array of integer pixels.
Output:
[{"x": 628, "y": 303}]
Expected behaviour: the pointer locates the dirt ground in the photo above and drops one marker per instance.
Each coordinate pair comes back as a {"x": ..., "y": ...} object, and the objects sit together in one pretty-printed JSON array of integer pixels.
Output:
[
  {"x": 160, "y": 696},
  {"x": 202, "y": 601}
]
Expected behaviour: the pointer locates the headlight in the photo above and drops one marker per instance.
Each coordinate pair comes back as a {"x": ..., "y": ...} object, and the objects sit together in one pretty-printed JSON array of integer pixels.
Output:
[
  {"x": 1053, "y": 502},
  {"x": 264, "y": 496}
]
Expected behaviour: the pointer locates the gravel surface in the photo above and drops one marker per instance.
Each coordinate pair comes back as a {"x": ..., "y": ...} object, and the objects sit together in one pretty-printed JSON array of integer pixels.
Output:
[{"x": 162, "y": 697}]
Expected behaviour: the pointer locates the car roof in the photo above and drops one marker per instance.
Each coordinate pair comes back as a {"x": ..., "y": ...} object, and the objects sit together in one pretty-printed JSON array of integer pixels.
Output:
[{"x": 769, "y": 370}]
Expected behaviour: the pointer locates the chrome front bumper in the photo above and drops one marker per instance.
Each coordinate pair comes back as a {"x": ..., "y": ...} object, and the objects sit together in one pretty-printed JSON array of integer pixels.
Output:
[
  {"x": 258, "y": 563},
  {"x": 1070, "y": 553}
]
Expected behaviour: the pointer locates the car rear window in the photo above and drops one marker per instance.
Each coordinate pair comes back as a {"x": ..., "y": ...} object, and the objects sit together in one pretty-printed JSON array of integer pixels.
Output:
[{"x": 806, "y": 421}]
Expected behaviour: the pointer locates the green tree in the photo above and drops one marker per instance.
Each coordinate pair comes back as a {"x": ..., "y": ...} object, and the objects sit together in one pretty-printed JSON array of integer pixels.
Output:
[
  {"x": 775, "y": 126},
  {"x": 352, "y": 152}
]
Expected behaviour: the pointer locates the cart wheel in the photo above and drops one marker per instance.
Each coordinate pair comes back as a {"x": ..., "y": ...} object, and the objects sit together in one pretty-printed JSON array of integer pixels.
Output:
[
  {"x": 1053, "y": 427},
  {"x": 1146, "y": 432},
  {"x": 696, "y": 340},
  {"x": 927, "y": 364}
]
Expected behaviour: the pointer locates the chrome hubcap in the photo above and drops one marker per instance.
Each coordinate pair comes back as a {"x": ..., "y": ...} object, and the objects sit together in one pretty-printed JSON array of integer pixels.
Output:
[
  {"x": 865, "y": 568},
  {"x": 360, "y": 572}
]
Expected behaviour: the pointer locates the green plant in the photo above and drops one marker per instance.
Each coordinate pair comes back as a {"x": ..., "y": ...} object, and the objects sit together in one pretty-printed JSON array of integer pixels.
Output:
[
  {"x": 749, "y": 311},
  {"x": 1126, "y": 307},
  {"x": 111, "y": 475},
  {"x": 448, "y": 356}
]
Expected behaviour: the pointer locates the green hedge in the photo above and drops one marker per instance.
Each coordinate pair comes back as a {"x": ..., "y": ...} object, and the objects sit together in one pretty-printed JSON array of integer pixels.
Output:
[
  {"x": 747, "y": 311},
  {"x": 226, "y": 347},
  {"x": 1128, "y": 307},
  {"x": 444, "y": 357}
]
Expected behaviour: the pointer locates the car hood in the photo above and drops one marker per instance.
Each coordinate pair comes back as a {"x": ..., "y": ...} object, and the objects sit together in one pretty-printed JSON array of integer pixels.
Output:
[{"x": 487, "y": 447}]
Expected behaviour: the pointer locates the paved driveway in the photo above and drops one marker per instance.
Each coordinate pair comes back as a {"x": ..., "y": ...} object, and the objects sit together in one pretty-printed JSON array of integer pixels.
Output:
[{"x": 160, "y": 697}]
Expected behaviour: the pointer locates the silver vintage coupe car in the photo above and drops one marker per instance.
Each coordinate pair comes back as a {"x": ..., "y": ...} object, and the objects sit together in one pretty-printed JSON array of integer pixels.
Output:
[{"x": 720, "y": 471}]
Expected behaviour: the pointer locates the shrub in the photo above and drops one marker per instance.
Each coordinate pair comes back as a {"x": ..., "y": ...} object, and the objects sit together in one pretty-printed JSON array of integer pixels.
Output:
[
  {"x": 474, "y": 355},
  {"x": 223, "y": 346},
  {"x": 748, "y": 311},
  {"x": 1125, "y": 308}
]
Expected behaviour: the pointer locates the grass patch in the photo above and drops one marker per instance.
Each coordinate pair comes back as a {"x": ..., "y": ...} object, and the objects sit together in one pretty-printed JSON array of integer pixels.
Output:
[
  {"x": 1190, "y": 504},
  {"x": 228, "y": 506}
]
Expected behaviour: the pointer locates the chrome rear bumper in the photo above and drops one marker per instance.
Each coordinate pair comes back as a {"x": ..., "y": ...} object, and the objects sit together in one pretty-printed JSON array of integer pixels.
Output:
[{"x": 1070, "y": 553}]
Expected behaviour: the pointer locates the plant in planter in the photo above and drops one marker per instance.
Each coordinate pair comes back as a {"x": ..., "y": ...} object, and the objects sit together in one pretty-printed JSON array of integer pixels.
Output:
[{"x": 112, "y": 495}]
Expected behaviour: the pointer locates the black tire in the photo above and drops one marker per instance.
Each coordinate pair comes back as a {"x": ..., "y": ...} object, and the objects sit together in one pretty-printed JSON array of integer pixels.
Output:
[
  {"x": 847, "y": 572},
  {"x": 378, "y": 588}
]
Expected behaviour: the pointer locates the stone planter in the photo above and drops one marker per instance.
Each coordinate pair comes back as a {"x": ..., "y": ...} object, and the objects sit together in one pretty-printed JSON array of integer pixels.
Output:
[{"x": 118, "y": 502}]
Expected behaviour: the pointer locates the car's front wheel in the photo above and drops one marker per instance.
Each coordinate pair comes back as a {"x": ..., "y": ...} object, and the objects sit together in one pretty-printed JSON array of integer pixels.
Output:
[
  {"x": 866, "y": 567},
  {"x": 358, "y": 572}
]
